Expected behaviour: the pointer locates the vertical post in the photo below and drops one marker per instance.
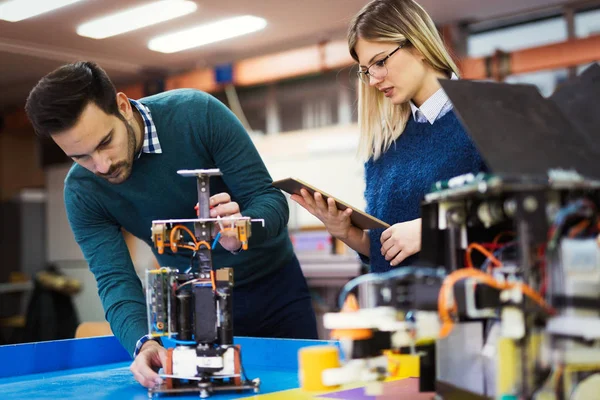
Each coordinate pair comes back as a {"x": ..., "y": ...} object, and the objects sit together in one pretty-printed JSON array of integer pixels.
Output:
[
  {"x": 344, "y": 105},
  {"x": 455, "y": 38},
  {"x": 203, "y": 196},
  {"x": 203, "y": 230},
  {"x": 569, "y": 15},
  {"x": 272, "y": 112}
]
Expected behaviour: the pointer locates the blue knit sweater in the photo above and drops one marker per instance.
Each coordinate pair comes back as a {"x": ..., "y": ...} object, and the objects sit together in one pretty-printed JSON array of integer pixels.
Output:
[{"x": 399, "y": 179}]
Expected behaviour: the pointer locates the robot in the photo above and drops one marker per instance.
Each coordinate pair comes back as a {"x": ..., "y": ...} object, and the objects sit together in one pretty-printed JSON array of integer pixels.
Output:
[
  {"x": 194, "y": 307},
  {"x": 519, "y": 321},
  {"x": 505, "y": 300}
]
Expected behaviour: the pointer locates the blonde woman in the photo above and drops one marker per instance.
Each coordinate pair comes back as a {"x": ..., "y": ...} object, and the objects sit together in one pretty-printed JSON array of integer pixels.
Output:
[{"x": 410, "y": 135}]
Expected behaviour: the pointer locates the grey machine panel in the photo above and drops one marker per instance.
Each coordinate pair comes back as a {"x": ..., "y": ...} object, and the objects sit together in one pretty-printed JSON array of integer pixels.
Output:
[{"x": 520, "y": 133}]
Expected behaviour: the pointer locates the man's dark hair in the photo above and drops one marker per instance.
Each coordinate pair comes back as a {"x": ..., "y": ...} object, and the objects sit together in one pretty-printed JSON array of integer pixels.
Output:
[{"x": 57, "y": 101}]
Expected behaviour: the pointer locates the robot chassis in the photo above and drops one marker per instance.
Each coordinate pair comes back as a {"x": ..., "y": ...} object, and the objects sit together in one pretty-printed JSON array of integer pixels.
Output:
[
  {"x": 194, "y": 308},
  {"x": 505, "y": 301},
  {"x": 522, "y": 321}
]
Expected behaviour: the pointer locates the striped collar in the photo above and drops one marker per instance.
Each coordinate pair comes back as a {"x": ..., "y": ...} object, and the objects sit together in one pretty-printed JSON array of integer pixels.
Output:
[
  {"x": 151, "y": 144},
  {"x": 434, "y": 107}
]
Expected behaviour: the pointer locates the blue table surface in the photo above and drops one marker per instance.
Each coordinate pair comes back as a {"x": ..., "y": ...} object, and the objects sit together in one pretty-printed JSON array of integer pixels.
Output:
[{"x": 98, "y": 368}]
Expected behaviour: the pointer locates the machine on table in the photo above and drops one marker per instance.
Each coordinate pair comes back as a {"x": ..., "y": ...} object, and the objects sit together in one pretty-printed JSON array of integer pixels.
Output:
[
  {"x": 505, "y": 301},
  {"x": 195, "y": 307}
]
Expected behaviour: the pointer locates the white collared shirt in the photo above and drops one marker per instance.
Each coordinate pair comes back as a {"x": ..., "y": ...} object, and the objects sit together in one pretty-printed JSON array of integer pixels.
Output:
[{"x": 434, "y": 108}]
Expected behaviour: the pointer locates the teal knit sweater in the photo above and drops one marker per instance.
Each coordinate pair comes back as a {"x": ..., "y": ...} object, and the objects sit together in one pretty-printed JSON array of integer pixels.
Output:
[{"x": 195, "y": 131}]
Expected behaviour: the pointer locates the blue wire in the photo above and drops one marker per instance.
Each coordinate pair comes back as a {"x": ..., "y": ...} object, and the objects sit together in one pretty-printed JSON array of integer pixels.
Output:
[
  {"x": 497, "y": 254},
  {"x": 184, "y": 342},
  {"x": 212, "y": 247},
  {"x": 216, "y": 240},
  {"x": 393, "y": 274}
]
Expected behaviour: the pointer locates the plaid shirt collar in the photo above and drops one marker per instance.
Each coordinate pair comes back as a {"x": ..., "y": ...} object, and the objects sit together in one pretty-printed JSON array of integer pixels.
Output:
[{"x": 151, "y": 144}]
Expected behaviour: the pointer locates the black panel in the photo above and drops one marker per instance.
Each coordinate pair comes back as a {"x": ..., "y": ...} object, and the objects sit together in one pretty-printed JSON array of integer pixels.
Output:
[
  {"x": 432, "y": 238},
  {"x": 574, "y": 98},
  {"x": 520, "y": 133},
  {"x": 205, "y": 315},
  {"x": 485, "y": 297},
  {"x": 226, "y": 309}
]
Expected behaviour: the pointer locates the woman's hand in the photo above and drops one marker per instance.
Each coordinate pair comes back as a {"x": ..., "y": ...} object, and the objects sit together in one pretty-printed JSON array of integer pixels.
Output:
[
  {"x": 336, "y": 222},
  {"x": 400, "y": 241}
]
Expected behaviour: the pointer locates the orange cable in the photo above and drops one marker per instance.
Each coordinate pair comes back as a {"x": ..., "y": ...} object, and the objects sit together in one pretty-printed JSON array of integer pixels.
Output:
[
  {"x": 578, "y": 228},
  {"x": 498, "y": 236},
  {"x": 203, "y": 242},
  {"x": 185, "y": 228},
  {"x": 212, "y": 280},
  {"x": 485, "y": 252},
  {"x": 461, "y": 274}
]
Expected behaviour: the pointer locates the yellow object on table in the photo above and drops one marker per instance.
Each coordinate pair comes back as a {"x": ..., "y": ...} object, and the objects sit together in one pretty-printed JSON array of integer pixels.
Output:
[
  {"x": 312, "y": 361},
  {"x": 403, "y": 365}
]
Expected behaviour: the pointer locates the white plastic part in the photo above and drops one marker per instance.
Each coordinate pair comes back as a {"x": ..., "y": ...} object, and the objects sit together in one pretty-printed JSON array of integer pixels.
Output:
[
  {"x": 428, "y": 324},
  {"x": 513, "y": 323},
  {"x": 489, "y": 348},
  {"x": 210, "y": 362},
  {"x": 587, "y": 389},
  {"x": 583, "y": 327},
  {"x": 402, "y": 338},
  {"x": 228, "y": 363},
  {"x": 361, "y": 370},
  {"x": 581, "y": 356},
  {"x": 381, "y": 318},
  {"x": 184, "y": 361}
]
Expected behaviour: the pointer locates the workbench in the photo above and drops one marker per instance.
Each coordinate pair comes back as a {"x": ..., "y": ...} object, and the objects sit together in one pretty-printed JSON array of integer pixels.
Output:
[{"x": 98, "y": 368}]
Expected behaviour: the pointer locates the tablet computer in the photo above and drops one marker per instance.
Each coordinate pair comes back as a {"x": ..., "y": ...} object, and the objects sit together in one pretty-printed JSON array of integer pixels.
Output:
[{"x": 359, "y": 218}]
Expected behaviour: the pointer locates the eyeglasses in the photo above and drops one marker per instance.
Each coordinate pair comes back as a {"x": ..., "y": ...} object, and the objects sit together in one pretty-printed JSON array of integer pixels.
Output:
[{"x": 377, "y": 70}]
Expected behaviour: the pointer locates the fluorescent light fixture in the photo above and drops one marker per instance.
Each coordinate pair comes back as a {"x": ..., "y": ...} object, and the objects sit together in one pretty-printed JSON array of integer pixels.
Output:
[
  {"x": 205, "y": 34},
  {"x": 17, "y": 10},
  {"x": 135, "y": 18}
]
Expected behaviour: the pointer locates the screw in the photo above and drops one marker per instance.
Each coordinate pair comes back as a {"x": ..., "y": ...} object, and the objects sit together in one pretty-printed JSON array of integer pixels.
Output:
[
  {"x": 530, "y": 204},
  {"x": 510, "y": 207}
]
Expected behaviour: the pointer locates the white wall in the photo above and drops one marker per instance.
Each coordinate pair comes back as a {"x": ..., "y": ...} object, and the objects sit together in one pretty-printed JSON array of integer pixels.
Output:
[
  {"x": 326, "y": 158},
  {"x": 63, "y": 251},
  {"x": 61, "y": 243}
]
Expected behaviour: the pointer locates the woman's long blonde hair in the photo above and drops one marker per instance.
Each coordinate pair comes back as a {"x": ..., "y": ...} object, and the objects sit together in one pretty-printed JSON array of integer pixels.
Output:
[{"x": 380, "y": 122}]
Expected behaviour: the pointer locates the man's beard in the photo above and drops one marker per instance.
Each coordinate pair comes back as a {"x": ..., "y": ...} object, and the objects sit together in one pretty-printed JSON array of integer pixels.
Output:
[{"x": 123, "y": 167}]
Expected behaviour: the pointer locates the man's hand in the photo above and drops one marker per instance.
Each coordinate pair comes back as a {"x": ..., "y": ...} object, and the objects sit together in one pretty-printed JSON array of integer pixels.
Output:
[
  {"x": 336, "y": 222},
  {"x": 222, "y": 206},
  {"x": 401, "y": 240},
  {"x": 151, "y": 357}
]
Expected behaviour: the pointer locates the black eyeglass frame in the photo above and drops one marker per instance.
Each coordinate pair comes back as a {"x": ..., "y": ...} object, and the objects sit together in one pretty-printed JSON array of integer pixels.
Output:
[{"x": 367, "y": 74}]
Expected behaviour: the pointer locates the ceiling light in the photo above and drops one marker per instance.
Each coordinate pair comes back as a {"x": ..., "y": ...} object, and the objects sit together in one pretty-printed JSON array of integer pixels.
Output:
[
  {"x": 17, "y": 10},
  {"x": 205, "y": 34},
  {"x": 135, "y": 18}
]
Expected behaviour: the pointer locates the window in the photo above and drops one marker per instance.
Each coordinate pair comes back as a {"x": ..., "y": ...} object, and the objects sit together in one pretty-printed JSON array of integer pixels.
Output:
[
  {"x": 308, "y": 102},
  {"x": 587, "y": 23},
  {"x": 530, "y": 34},
  {"x": 546, "y": 81}
]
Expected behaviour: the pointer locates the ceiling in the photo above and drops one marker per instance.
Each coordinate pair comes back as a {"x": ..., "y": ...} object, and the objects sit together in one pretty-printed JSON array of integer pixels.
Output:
[{"x": 33, "y": 47}]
